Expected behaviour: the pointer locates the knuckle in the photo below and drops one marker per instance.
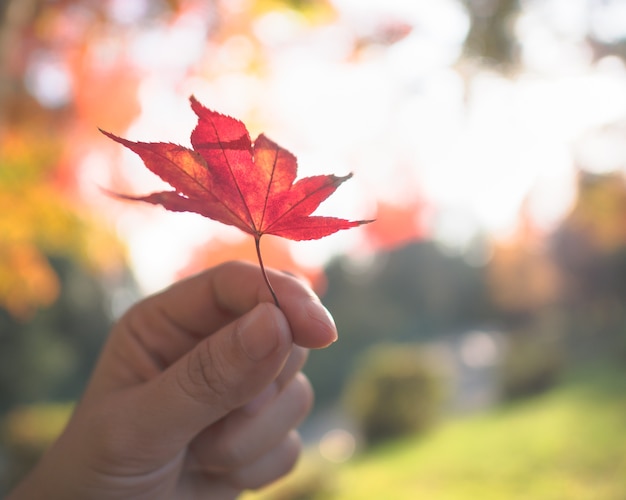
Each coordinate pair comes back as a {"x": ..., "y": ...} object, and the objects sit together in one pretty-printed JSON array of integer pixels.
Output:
[
  {"x": 303, "y": 393},
  {"x": 203, "y": 377},
  {"x": 273, "y": 465},
  {"x": 233, "y": 453}
]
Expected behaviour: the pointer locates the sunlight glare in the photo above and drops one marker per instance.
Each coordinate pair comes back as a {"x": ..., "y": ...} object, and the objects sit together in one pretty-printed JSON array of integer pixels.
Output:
[{"x": 474, "y": 145}]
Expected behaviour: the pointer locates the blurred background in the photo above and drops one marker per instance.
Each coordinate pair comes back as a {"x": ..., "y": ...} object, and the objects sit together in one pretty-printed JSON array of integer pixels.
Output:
[{"x": 482, "y": 316}]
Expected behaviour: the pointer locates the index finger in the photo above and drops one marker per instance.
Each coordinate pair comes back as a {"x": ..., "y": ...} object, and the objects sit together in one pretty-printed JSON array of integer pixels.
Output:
[
  {"x": 200, "y": 305},
  {"x": 238, "y": 287}
]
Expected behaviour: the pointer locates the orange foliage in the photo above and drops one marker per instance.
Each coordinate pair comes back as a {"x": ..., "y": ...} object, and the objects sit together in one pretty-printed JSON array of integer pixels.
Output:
[
  {"x": 37, "y": 221},
  {"x": 105, "y": 95},
  {"x": 26, "y": 280},
  {"x": 396, "y": 225},
  {"x": 42, "y": 145},
  {"x": 522, "y": 276},
  {"x": 600, "y": 212}
]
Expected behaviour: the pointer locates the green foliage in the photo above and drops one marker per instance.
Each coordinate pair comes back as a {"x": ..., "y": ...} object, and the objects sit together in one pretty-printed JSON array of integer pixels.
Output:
[
  {"x": 569, "y": 443},
  {"x": 50, "y": 357},
  {"x": 531, "y": 364},
  {"x": 395, "y": 390},
  {"x": 26, "y": 432}
]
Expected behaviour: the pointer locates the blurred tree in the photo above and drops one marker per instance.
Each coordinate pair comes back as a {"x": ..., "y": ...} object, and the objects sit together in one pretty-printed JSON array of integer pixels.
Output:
[
  {"x": 413, "y": 293},
  {"x": 50, "y": 357},
  {"x": 590, "y": 250},
  {"x": 491, "y": 39},
  {"x": 45, "y": 129},
  {"x": 525, "y": 287},
  {"x": 598, "y": 218},
  {"x": 533, "y": 361},
  {"x": 522, "y": 277},
  {"x": 38, "y": 220}
]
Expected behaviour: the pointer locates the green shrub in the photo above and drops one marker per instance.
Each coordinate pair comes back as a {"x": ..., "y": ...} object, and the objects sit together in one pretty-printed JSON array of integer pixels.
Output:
[
  {"x": 395, "y": 390},
  {"x": 531, "y": 364}
]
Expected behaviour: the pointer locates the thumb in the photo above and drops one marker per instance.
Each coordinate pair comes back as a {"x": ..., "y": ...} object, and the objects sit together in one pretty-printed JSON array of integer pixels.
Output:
[{"x": 223, "y": 372}]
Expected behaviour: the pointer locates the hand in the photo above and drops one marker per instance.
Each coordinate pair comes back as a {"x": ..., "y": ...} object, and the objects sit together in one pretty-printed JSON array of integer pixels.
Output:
[{"x": 196, "y": 394}]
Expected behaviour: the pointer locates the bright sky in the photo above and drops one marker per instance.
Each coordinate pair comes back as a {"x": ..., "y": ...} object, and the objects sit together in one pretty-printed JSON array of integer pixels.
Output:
[{"x": 404, "y": 120}]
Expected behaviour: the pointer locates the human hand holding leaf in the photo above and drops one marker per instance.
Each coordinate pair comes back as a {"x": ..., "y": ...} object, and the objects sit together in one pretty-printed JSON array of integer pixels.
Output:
[{"x": 228, "y": 178}]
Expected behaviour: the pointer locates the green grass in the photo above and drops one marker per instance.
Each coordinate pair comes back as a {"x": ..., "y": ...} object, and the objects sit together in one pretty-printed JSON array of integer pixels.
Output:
[{"x": 568, "y": 444}]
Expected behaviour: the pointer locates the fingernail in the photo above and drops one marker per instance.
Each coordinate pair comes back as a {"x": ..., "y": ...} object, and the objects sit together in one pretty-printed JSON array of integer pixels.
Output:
[
  {"x": 320, "y": 314},
  {"x": 258, "y": 339}
]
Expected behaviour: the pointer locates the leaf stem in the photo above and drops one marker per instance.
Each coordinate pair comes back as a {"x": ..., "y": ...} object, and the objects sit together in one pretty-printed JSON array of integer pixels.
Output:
[{"x": 257, "y": 242}]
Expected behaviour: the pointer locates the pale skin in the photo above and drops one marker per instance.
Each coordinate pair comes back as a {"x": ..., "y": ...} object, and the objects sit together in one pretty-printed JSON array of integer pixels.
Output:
[{"x": 197, "y": 394}]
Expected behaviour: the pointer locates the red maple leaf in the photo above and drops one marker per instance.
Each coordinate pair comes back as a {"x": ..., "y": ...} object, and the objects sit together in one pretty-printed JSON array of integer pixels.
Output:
[{"x": 228, "y": 178}]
